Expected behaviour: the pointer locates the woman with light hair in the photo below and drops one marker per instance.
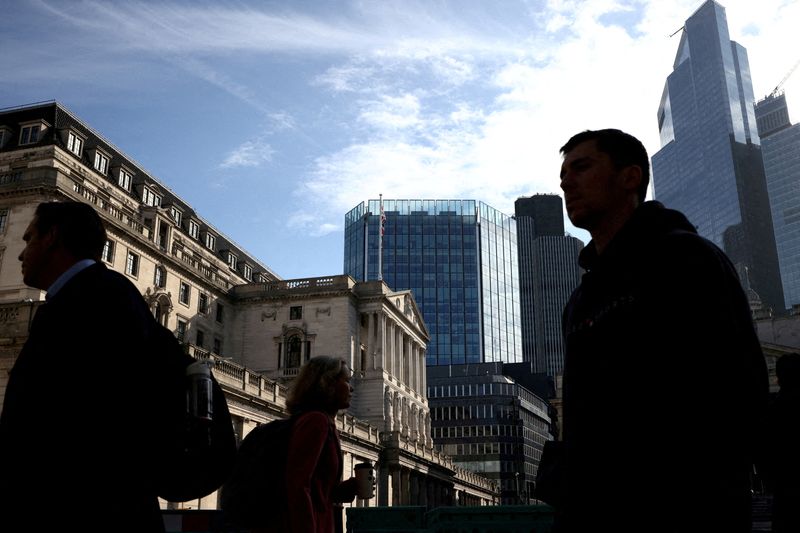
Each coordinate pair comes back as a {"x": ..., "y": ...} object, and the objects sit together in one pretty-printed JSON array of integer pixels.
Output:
[{"x": 314, "y": 463}]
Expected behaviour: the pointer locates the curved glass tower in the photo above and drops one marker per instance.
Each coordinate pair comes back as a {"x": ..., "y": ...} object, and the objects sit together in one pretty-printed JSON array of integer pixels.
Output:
[{"x": 710, "y": 165}]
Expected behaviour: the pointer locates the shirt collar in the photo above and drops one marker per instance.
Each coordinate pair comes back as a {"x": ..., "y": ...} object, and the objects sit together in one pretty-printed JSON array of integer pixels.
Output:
[{"x": 68, "y": 274}]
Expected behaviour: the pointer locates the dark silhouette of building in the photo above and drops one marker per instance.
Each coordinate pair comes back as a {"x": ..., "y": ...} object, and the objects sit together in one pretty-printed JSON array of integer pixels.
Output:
[{"x": 548, "y": 273}]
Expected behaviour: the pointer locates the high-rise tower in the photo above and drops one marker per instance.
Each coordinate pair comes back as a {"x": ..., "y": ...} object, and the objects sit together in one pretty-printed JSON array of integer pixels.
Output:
[
  {"x": 780, "y": 146},
  {"x": 548, "y": 273},
  {"x": 459, "y": 258},
  {"x": 710, "y": 166}
]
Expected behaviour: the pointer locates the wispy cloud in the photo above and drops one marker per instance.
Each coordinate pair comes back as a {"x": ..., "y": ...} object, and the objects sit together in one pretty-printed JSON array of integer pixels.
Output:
[{"x": 249, "y": 154}]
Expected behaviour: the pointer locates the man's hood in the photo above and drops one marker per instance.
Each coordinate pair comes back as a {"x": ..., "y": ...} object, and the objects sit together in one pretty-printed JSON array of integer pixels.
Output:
[{"x": 648, "y": 222}]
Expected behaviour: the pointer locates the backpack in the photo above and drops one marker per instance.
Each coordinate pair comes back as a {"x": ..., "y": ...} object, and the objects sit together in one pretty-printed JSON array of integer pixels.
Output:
[
  {"x": 255, "y": 494},
  {"x": 192, "y": 459}
]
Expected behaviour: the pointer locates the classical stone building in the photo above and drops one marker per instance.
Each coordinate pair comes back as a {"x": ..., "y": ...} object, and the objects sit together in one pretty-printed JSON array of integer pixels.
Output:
[
  {"x": 203, "y": 286},
  {"x": 380, "y": 334}
]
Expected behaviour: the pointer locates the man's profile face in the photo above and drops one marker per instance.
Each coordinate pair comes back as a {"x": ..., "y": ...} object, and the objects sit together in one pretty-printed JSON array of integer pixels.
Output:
[
  {"x": 592, "y": 185},
  {"x": 36, "y": 256}
]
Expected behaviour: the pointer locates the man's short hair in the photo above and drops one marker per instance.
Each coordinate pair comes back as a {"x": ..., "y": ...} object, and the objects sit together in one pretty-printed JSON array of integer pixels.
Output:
[
  {"x": 80, "y": 229},
  {"x": 622, "y": 148}
]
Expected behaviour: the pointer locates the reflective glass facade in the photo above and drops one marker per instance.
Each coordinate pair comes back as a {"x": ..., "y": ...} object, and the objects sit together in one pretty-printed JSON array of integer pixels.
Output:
[
  {"x": 459, "y": 258},
  {"x": 709, "y": 166},
  {"x": 781, "y": 150}
]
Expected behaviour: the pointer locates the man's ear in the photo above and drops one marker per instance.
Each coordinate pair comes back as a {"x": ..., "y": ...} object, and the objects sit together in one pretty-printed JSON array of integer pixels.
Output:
[
  {"x": 51, "y": 239},
  {"x": 632, "y": 178}
]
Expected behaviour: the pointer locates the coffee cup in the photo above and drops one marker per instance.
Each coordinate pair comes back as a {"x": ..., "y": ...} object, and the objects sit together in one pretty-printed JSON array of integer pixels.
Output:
[{"x": 365, "y": 480}]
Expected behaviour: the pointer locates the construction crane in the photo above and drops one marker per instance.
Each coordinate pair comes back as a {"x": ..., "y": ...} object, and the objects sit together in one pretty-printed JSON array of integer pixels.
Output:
[{"x": 777, "y": 88}]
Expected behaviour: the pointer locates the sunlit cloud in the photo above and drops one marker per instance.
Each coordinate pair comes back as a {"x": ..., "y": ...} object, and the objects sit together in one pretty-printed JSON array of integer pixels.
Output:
[{"x": 249, "y": 154}]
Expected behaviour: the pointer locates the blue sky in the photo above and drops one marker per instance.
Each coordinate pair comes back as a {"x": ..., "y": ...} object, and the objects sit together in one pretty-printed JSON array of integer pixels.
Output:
[{"x": 272, "y": 119}]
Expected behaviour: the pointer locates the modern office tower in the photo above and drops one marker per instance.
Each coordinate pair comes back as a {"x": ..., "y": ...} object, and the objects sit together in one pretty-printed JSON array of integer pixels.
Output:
[
  {"x": 548, "y": 273},
  {"x": 490, "y": 424},
  {"x": 459, "y": 258},
  {"x": 780, "y": 146},
  {"x": 709, "y": 166}
]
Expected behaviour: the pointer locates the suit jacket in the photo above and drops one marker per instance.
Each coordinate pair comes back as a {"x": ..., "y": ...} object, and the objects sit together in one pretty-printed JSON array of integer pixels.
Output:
[{"x": 74, "y": 435}]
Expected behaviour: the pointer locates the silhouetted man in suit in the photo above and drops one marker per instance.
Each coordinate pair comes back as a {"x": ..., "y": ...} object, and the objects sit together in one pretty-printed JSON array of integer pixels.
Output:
[
  {"x": 665, "y": 386},
  {"x": 75, "y": 442}
]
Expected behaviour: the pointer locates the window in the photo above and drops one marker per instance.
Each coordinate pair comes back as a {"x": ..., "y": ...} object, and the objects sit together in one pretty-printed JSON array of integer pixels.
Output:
[
  {"x": 101, "y": 162},
  {"x": 74, "y": 143},
  {"x": 176, "y": 215},
  {"x": 296, "y": 312},
  {"x": 108, "y": 252},
  {"x": 200, "y": 338},
  {"x": 150, "y": 198},
  {"x": 232, "y": 261},
  {"x": 125, "y": 179},
  {"x": 180, "y": 333},
  {"x": 132, "y": 264},
  {"x": 202, "y": 303},
  {"x": 160, "y": 277},
  {"x": 220, "y": 312},
  {"x": 217, "y": 346},
  {"x": 5, "y": 135},
  {"x": 293, "y": 352},
  {"x": 30, "y": 134},
  {"x": 247, "y": 271},
  {"x": 3, "y": 220},
  {"x": 194, "y": 229},
  {"x": 184, "y": 294},
  {"x": 210, "y": 241}
]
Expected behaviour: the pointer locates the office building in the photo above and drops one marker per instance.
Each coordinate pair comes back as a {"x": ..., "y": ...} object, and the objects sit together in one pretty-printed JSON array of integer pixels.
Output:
[
  {"x": 458, "y": 258},
  {"x": 548, "y": 273},
  {"x": 490, "y": 424},
  {"x": 780, "y": 146},
  {"x": 710, "y": 166}
]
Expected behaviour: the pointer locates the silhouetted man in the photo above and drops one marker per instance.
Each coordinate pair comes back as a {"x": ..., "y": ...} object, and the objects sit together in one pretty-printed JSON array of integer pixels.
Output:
[
  {"x": 664, "y": 380},
  {"x": 75, "y": 446}
]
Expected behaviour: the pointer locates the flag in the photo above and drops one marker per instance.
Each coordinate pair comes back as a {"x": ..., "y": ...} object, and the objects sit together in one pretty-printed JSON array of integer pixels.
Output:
[{"x": 383, "y": 220}]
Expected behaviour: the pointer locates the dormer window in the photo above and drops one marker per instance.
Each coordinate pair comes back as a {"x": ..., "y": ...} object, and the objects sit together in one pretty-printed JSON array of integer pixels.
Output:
[
  {"x": 101, "y": 162},
  {"x": 232, "y": 259},
  {"x": 211, "y": 241},
  {"x": 31, "y": 133},
  {"x": 247, "y": 271},
  {"x": 150, "y": 198},
  {"x": 75, "y": 143},
  {"x": 176, "y": 214},
  {"x": 5, "y": 135},
  {"x": 124, "y": 179},
  {"x": 194, "y": 229}
]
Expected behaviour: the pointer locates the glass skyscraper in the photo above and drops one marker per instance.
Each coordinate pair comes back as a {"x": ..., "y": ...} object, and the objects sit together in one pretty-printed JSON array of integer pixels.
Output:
[
  {"x": 548, "y": 273},
  {"x": 710, "y": 166},
  {"x": 459, "y": 258},
  {"x": 780, "y": 142}
]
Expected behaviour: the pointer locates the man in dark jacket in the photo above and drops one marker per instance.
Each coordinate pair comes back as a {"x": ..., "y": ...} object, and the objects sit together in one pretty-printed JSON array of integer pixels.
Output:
[
  {"x": 665, "y": 385},
  {"x": 75, "y": 441}
]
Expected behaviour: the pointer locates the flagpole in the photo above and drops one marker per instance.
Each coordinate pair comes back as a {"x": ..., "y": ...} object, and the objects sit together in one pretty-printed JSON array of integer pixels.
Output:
[{"x": 380, "y": 239}]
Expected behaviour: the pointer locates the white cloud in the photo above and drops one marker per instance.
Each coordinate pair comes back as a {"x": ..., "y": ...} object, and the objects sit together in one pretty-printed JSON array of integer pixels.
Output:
[{"x": 249, "y": 154}]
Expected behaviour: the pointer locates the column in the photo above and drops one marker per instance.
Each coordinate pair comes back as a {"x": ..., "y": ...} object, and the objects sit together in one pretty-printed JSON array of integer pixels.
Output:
[
  {"x": 413, "y": 355},
  {"x": 369, "y": 342},
  {"x": 381, "y": 336},
  {"x": 383, "y": 485},
  {"x": 396, "y": 491},
  {"x": 407, "y": 360},
  {"x": 405, "y": 476}
]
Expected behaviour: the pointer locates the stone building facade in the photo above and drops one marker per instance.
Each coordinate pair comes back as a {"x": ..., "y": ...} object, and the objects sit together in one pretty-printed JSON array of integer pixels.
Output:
[{"x": 196, "y": 280}]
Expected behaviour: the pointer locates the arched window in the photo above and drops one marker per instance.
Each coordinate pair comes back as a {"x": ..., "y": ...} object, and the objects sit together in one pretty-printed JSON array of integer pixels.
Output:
[{"x": 293, "y": 352}]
